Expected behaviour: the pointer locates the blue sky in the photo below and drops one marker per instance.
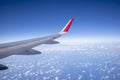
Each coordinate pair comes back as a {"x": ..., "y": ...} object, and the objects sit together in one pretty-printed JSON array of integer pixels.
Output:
[{"x": 23, "y": 19}]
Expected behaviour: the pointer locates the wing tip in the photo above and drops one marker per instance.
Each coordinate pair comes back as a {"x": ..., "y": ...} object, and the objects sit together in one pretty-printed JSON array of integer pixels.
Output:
[{"x": 67, "y": 26}]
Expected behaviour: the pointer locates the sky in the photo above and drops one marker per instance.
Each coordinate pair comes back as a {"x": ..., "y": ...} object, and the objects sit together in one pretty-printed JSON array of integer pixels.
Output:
[{"x": 24, "y": 19}]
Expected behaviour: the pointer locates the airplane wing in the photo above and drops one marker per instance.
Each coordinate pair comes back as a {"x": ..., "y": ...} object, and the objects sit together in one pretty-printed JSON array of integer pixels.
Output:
[{"x": 8, "y": 49}]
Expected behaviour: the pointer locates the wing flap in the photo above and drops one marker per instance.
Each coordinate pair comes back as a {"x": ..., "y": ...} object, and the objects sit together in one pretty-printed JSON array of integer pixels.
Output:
[{"x": 28, "y": 52}]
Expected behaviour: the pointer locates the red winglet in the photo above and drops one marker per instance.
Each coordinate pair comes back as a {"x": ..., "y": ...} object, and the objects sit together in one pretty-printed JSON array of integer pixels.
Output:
[{"x": 66, "y": 28}]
